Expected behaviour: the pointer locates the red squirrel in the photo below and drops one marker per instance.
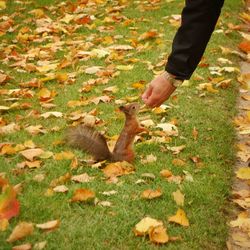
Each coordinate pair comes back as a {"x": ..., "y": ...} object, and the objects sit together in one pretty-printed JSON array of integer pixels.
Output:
[{"x": 88, "y": 139}]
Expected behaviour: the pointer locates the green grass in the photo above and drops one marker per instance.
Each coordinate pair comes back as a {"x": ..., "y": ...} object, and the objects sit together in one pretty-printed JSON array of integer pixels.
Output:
[{"x": 93, "y": 227}]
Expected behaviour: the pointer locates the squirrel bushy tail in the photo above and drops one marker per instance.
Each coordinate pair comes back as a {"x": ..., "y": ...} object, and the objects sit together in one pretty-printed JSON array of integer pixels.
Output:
[{"x": 87, "y": 138}]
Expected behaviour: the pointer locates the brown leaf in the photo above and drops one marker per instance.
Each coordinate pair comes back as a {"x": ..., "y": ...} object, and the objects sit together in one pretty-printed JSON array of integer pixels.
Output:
[
  {"x": 118, "y": 169},
  {"x": 178, "y": 162},
  {"x": 151, "y": 194},
  {"x": 30, "y": 154},
  {"x": 22, "y": 230},
  {"x": 82, "y": 194}
]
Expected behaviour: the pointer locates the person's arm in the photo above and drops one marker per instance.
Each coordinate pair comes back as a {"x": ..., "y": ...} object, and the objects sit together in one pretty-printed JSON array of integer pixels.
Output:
[{"x": 199, "y": 18}]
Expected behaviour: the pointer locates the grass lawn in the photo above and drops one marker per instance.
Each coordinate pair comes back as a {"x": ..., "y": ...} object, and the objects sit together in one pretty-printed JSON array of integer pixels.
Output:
[{"x": 31, "y": 43}]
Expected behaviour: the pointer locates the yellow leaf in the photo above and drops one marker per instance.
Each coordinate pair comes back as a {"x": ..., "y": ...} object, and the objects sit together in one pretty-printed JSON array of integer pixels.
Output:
[
  {"x": 125, "y": 67},
  {"x": 158, "y": 235},
  {"x": 65, "y": 155},
  {"x": 142, "y": 228},
  {"x": 2, "y": 5},
  {"x": 179, "y": 218},
  {"x": 4, "y": 223},
  {"x": 178, "y": 197},
  {"x": 38, "y": 13},
  {"x": 243, "y": 173},
  {"x": 7, "y": 149}
]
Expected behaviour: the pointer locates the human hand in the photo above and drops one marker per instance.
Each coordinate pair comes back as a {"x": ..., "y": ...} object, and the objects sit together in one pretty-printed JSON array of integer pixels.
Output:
[{"x": 158, "y": 91}]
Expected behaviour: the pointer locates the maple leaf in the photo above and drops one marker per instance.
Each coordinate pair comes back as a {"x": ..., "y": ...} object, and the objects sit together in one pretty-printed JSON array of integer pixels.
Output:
[{"x": 9, "y": 206}]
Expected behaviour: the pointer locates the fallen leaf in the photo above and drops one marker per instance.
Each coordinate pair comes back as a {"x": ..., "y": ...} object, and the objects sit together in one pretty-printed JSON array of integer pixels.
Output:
[
  {"x": 166, "y": 173},
  {"x": 169, "y": 128},
  {"x": 60, "y": 189},
  {"x": 40, "y": 245},
  {"x": 108, "y": 193},
  {"x": 177, "y": 149},
  {"x": 142, "y": 228},
  {"x": 149, "y": 159},
  {"x": 82, "y": 178},
  {"x": 158, "y": 235},
  {"x": 4, "y": 223},
  {"x": 118, "y": 169},
  {"x": 54, "y": 113},
  {"x": 26, "y": 246},
  {"x": 30, "y": 154},
  {"x": 179, "y": 218},
  {"x": 22, "y": 230},
  {"x": 195, "y": 133},
  {"x": 178, "y": 162},
  {"x": 150, "y": 194},
  {"x": 178, "y": 197},
  {"x": 243, "y": 173},
  {"x": 9, "y": 206},
  {"x": 65, "y": 155},
  {"x": 82, "y": 194},
  {"x": 50, "y": 225}
]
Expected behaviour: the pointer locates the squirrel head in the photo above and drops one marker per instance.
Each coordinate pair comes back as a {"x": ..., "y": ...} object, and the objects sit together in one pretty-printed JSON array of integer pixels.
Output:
[{"x": 130, "y": 109}]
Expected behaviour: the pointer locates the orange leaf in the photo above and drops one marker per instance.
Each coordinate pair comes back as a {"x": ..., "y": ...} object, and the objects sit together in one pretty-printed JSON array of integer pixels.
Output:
[
  {"x": 245, "y": 46},
  {"x": 151, "y": 194},
  {"x": 9, "y": 206},
  {"x": 83, "y": 194},
  {"x": 118, "y": 169},
  {"x": 158, "y": 235}
]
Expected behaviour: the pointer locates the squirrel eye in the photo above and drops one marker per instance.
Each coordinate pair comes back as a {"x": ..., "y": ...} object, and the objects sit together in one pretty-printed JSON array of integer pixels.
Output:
[{"x": 133, "y": 107}]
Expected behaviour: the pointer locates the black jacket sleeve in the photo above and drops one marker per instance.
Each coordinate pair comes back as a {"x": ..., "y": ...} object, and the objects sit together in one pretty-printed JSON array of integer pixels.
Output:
[{"x": 199, "y": 18}]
